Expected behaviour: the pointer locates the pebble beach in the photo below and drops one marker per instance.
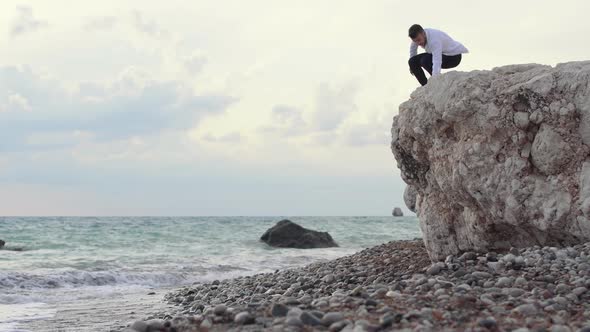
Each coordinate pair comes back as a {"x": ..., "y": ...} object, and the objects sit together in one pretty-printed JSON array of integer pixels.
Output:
[{"x": 393, "y": 287}]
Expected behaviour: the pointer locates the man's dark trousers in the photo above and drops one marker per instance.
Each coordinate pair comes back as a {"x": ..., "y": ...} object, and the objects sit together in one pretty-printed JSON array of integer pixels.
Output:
[{"x": 424, "y": 60}]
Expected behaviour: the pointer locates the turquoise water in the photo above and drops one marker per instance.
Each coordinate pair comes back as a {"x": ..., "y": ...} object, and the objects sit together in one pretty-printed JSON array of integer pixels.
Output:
[{"x": 77, "y": 258}]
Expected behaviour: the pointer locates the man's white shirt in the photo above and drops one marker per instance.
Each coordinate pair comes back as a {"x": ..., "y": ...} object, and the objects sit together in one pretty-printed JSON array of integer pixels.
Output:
[{"x": 437, "y": 44}]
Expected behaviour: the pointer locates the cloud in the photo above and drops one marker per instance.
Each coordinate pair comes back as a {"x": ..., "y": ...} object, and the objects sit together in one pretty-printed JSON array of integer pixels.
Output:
[
  {"x": 287, "y": 115},
  {"x": 233, "y": 137},
  {"x": 101, "y": 23},
  {"x": 194, "y": 63},
  {"x": 286, "y": 121},
  {"x": 147, "y": 26},
  {"x": 25, "y": 22},
  {"x": 17, "y": 103},
  {"x": 134, "y": 104},
  {"x": 334, "y": 104},
  {"x": 367, "y": 134}
]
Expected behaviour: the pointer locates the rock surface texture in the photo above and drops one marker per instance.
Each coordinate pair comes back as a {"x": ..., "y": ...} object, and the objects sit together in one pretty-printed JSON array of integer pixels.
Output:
[
  {"x": 287, "y": 234},
  {"x": 498, "y": 159}
]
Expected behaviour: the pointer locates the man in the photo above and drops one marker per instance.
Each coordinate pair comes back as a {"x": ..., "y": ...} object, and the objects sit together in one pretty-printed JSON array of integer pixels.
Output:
[{"x": 441, "y": 52}]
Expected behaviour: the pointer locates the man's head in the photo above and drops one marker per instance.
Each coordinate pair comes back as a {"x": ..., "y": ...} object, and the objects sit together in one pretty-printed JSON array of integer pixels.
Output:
[{"x": 417, "y": 34}]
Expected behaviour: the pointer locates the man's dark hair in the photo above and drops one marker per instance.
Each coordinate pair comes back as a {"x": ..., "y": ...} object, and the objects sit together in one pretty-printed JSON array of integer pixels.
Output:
[{"x": 415, "y": 30}]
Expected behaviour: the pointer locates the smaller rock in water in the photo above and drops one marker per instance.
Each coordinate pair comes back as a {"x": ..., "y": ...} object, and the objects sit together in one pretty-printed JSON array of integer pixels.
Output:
[
  {"x": 287, "y": 234},
  {"x": 397, "y": 212},
  {"x": 2, "y": 243}
]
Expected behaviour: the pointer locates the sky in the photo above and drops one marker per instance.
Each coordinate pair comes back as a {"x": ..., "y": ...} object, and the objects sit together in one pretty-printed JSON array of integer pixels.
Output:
[{"x": 227, "y": 107}]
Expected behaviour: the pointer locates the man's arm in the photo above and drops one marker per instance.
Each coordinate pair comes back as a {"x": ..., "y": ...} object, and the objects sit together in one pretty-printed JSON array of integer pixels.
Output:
[
  {"x": 413, "y": 49},
  {"x": 436, "y": 48}
]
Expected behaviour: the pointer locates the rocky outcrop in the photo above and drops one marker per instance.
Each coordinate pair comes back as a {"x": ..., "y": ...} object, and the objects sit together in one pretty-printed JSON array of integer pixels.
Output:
[
  {"x": 397, "y": 212},
  {"x": 498, "y": 158},
  {"x": 287, "y": 234},
  {"x": 410, "y": 197},
  {"x": 2, "y": 243}
]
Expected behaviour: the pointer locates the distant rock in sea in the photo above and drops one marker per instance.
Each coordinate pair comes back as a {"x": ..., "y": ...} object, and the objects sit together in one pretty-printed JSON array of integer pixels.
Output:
[
  {"x": 287, "y": 234},
  {"x": 2, "y": 243},
  {"x": 498, "y": 158},
  {"x": 397, "y": 212}
]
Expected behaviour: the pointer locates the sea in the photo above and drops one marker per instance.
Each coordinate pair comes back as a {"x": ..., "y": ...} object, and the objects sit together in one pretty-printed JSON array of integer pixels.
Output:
[{"x": 102, "y": 273}]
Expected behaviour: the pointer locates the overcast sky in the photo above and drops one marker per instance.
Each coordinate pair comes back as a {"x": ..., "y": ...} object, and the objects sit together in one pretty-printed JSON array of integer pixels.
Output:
[{"x": 124, "y": 107}]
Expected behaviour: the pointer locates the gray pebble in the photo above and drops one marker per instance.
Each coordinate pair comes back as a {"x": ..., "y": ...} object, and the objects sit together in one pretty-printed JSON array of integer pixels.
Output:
[
  {"x": 488, "y": 323},
  {"x": 279, "y": 310},
  {"x": 338, "y": 326},
  {"x": 435, "y": 268},
  {"x": 463, "y": 287},
  {"x": 331, "y": 318},
  {"x": 244, "y": 318},
  {"x": 293, "y": 321},
  {"x": 526, "y": 309},
  {"x": 504, "y": 282},
  {"x": 560, "y": 328},
  {"x": 139, "y": 326},
  {"x": 481, "y": 275},
  {"x": 290, "y": 301},
  {"x": 155, "y": 325},
  {"x": 309, "y": 319},
  {"x": 562, "y": 288},
  {"x": 514, "y": 292},
  {"x": 579, "y": 290},
  {"x": 329, "y": 278},
  {"x": 220, "y": 309}
]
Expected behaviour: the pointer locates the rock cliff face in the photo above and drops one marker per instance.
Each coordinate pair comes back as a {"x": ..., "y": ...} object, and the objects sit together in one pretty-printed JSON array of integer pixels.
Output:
[{"x": 498, "y": 158}]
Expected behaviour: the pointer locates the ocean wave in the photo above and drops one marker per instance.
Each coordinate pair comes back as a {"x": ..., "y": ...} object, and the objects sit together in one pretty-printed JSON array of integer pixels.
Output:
[
  {"x": 77, "y": 278},
  {"x": 86, "y": 278},
  {"x": 12, "y": 248}
]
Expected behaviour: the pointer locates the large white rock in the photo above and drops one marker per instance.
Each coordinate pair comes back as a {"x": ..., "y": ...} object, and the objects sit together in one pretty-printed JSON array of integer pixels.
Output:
[{"x": 498, "y": 158}]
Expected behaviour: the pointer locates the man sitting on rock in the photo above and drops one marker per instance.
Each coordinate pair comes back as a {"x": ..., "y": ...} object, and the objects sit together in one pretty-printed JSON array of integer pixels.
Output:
[{"x": 441, "y": 52}]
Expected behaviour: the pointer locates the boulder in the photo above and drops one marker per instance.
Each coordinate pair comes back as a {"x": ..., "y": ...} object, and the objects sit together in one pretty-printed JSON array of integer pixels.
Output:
[
  {"x": 287, "y": 234},
  {"x": 2, "y": 243},
  {"x": 498, "y": 158},
  {"x": 397, "y": 212}
]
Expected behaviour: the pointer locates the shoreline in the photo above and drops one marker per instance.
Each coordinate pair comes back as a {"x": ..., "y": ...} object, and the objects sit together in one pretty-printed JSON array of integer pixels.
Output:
[
  {"x": 112, "y": 313},
  {"x": 394, "y": 286},
  {"x": 69, "y": 278}
]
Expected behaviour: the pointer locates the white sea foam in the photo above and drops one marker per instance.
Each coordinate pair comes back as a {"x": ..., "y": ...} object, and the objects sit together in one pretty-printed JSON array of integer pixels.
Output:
[{"x": 13, "y": 315}]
